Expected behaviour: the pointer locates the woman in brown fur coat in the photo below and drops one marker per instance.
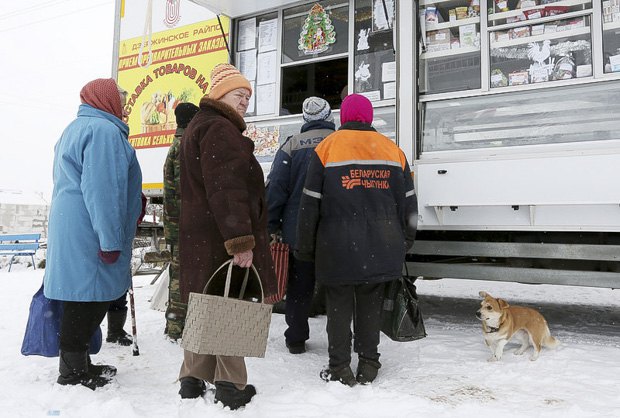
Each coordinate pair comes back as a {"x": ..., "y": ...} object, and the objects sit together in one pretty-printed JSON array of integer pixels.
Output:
[{"x": 223, "y": 215}]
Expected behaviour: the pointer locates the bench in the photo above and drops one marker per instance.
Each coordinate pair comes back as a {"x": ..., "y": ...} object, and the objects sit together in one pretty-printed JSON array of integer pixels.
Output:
[{"x": 19, "y": 245}]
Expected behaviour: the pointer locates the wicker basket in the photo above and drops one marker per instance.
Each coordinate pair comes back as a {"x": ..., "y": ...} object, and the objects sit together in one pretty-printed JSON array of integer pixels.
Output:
[{"x": 221, "y": 325}]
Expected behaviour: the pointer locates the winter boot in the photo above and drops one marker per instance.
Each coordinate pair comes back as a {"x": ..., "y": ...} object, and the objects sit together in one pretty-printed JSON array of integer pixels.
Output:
[
  {"x": 230, "y": 396},
  {"x": 104, "y": 370},
  {"x": 73, "y": 369},
  {"x": 192, "y": 388},
  {"x": 367, "y": 370},
  {"x": 116, "y": 333},
  {"x": 342, "y": 374}
]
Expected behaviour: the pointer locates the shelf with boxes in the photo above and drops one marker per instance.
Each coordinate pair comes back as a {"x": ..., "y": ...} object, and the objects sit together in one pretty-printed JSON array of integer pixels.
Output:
[
  {"x": 532, "y": 36},
  {"x": 511, "y": 11},
  {"x": 611, "y": 35},
  {"x": 450, "y": 45},
  {"x": 450, "y": 25}
]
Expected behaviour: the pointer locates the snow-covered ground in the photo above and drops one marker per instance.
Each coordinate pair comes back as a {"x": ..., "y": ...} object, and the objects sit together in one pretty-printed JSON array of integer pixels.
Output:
[{"x": 443, "y": 375}]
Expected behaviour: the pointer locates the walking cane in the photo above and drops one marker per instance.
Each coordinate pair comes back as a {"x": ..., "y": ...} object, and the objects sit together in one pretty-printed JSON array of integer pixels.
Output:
[{"x": 134, "y": 332}]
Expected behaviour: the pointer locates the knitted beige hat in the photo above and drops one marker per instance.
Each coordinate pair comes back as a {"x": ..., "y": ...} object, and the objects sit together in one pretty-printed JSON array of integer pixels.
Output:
[{"x": 226, "y": 78}]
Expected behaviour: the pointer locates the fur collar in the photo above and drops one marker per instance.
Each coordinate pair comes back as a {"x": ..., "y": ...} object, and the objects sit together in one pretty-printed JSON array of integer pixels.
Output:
[{"x": 225, "y": 110}]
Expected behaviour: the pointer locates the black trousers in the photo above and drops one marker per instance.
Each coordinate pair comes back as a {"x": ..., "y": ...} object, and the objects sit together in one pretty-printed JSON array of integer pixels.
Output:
[
  {"x": 299, "y": 293},
  {"x": 119, "y": 304},
  {"x": 79, "y": 322},
  {"x": 361, "y": 303}
]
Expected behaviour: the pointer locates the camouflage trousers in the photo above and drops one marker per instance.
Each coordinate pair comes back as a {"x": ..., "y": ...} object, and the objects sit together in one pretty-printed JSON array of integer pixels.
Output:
[{"x": 175, "y": 311}]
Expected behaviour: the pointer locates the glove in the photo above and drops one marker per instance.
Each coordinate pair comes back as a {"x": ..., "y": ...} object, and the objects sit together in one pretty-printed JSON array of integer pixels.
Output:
[
  {"x": 143, "y": 211},
  {"x": 109, "y": 257}
]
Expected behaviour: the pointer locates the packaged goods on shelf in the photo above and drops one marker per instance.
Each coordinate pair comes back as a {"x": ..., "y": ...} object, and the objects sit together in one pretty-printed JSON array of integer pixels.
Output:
[
  {"x": 551, "y": 28},
  {"x": 564, "y": 69},
  {"x": 461, "y": 13},
  {"x": 614, "y": 62},
  {"x": 498, "y": 78},
  {"x": 501, "y": 36},
  {"x": 538, "y": 29},
  {"x": 501, "y": 5},
  {"x": 554, "y": 10},
  {"x": 452, "y": 15},
  {"x": 455, "y": 43},
  {"x": 533, "y": 14},
  {"x": 584, "y": 70},
  {"x": 438, "y": 40},
  {"x": 431, "y": 16},
  {"x": 524, "y": 4},
  {"x": 576, "y": 23},
  {"x": 539, "y": 75},
  {"x": 467, "y": 35},
  {"x": 518, "y": 78},
  {"x": 522, "y": 32},
  {"x": 514, "y": 19}
]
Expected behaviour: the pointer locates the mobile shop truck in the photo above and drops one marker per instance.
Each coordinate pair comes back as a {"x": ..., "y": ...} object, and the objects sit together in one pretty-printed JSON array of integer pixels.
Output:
[{"x": 506, "y": 110}]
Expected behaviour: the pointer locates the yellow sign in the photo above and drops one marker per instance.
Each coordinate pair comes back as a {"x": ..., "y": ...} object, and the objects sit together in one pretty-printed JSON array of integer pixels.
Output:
[{"x": 182, "y": 59}]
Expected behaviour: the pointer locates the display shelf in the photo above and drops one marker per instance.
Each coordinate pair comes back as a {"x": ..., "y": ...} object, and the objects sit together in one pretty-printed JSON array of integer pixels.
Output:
[
  {"x": 450, "y": 52},
  {"x": 456, "y": 23},
  {"x": 436, "y": 2},
  {"x": 537, "y": 38},
  {"x": 513, "y": 13},
  {"x": 611, "y": 25},
  {"x": 541, "y": 20}
]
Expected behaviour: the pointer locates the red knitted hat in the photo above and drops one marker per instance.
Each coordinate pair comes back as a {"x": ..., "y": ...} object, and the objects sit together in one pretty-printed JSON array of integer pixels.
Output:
[
  {"x": 226, "y": 78},
  {"x": 356, "y": 107},
  {"x": 102, "y": 94}
]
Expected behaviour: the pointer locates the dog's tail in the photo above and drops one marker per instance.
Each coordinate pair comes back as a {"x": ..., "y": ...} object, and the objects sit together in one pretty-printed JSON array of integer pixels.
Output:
[{"x": 550, "y": 342}]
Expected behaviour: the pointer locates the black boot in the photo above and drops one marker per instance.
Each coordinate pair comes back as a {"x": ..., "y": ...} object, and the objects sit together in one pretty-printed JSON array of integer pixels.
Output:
[
  {"x": 104, "y": 370},
  {"x": 230, "y": 396},
  {"x": 342, "y": 374},
  {"x": 192, "y": 388},
  {"x": 367, "y": 370},
  {"x": 116, "y": 333},
  {"x": 73, "y": 368}
]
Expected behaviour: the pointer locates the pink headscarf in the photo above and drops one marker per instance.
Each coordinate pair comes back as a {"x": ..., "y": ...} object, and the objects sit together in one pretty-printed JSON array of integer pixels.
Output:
[
  {"x": 356, "y": 107},
  {"x": 102, "y": 94}
]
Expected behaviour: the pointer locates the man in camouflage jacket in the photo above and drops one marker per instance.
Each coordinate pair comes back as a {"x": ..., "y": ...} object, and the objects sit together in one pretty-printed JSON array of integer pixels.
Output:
[{"x": 176, "y": 310}]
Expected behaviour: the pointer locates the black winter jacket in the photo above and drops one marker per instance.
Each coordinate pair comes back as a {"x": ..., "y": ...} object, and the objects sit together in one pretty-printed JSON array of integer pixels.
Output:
[
  {"x": 358, "y": 212},
  {"x": 287, "y": 176}
]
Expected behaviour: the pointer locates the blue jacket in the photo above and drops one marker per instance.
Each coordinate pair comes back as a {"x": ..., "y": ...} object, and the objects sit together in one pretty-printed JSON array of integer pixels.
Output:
[
  {"x": 95, "y": 205},
  {"x": 287, "y": 176}
]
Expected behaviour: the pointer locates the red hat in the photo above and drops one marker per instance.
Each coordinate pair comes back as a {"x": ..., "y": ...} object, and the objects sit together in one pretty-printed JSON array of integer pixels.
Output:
[
  {"x": 103, "y": 94},
  {"x": 356, "y": 107}
]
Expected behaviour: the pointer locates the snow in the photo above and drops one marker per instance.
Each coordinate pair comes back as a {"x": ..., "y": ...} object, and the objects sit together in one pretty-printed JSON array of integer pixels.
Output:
[{"x": 443, "y": 375}]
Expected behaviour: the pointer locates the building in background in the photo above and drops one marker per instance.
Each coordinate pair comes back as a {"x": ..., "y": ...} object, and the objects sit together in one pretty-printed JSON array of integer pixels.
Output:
[{"x": 23, "y": 212}]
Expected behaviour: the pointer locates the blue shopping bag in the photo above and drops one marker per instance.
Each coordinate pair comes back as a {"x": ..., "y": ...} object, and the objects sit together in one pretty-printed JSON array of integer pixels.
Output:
[{"x": 42, "y": 337}]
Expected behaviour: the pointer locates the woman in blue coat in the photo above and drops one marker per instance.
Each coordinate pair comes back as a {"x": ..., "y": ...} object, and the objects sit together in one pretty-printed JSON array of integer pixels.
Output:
[{"x": 94, "y": 211}]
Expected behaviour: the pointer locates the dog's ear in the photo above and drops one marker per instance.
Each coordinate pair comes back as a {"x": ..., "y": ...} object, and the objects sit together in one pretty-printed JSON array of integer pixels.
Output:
[
  {"x": 483, "y": 294},
  {"x": 502, "y": 304}
]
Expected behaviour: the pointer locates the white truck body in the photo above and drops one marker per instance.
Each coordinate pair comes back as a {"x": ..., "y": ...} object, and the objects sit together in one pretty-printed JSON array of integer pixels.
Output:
[{"x": 514, "y": 182}]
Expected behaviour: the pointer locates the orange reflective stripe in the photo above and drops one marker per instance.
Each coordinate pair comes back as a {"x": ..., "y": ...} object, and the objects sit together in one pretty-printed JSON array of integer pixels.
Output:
[{"x": 347, "y": 145}]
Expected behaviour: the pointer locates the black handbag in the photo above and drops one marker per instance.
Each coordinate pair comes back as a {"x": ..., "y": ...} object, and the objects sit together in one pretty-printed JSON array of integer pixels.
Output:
[{"x": 401, "y": 317}]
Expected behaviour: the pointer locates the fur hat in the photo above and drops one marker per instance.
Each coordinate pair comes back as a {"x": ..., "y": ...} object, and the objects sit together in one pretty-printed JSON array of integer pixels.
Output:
[
  {"x": 103, "y": 94},
  {"x": 356, "y": 107},
  {"x": 226, "y": 78},
  {"x": 184, "y": 112},
  {"x": 315, "y": 108}
]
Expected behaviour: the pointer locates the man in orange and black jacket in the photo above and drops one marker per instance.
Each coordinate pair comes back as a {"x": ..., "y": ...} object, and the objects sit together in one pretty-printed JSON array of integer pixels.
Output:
[{"x": 357, "y": 219}]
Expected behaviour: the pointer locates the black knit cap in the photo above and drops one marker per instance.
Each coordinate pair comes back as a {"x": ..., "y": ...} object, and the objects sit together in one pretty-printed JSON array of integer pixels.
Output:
[{"x": 184, "y": 112}]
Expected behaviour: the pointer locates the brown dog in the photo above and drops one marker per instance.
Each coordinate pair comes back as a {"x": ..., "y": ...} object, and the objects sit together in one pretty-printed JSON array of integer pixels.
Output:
[{"x": 501, "y": 322}]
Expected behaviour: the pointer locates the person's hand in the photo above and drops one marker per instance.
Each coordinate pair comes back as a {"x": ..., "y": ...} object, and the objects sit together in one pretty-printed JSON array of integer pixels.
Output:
[
  {"x": 243, "y": 259},
  {"x": 109, "y": 257},
  {"x": 143, "y": 210}
]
